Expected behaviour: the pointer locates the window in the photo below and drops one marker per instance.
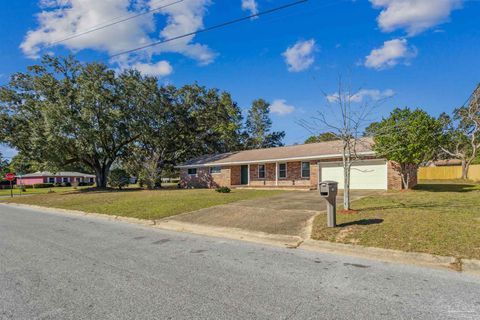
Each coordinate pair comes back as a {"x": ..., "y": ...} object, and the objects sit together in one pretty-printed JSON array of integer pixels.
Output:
[
  {"x": 192, "y": 171},
  {"x": 214, "y": 170},
  {"x": 261, "y": 171},
  {"x": 51, "y": 180},
  {"x": 282, "y": 170},
  {"x": 305, "y": 170},
  {"x": 65, "y": 180}
]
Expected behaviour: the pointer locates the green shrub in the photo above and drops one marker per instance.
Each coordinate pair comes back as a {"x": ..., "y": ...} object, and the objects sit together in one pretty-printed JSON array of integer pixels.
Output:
[
  {"x": 24, "y": 186},
  {"x": 43, "y": 185},
  {"x": 83, "y": 184},
  {"x": 223, "y": 190},
  {"x": 118, "y": 178}
]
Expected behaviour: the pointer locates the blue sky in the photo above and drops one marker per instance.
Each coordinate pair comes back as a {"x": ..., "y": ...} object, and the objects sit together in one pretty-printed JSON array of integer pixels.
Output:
[{"x": 419, "y": 53}]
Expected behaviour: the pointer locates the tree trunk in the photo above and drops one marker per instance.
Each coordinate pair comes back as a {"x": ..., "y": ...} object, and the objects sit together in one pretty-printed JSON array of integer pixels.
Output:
[
  {"x": 346, "y": 183},
  {"x": 405, "y": 174},
  {"x": 465, "y": 167},
  {"x": 346, "y": 192},
  {"x": 101, "y": 176}
]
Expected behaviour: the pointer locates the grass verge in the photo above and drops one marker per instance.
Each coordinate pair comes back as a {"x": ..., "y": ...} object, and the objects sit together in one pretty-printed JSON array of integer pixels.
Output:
[
  {"x": 140, "y": 204},
  {"x": 442, "y": 219},
  {"x": 31, "y": 191}
]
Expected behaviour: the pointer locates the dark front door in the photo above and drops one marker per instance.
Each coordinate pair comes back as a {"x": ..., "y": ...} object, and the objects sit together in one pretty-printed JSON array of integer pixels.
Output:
[{"x": 244, "y": 176}]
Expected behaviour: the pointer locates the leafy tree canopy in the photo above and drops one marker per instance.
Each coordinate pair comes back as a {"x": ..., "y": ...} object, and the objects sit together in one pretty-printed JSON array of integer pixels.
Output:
[
  {"x": 408, "y": 137},
  {"x": 323, "y": 137},
  {"x": 65, "y": 112},
  {"x": 258, "y": 127}
]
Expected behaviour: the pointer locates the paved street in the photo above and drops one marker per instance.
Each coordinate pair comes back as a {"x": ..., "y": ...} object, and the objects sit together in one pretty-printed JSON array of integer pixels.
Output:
[{"x": 55, "y": 266}]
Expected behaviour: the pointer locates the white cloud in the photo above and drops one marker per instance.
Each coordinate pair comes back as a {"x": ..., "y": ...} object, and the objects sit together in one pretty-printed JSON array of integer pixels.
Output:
[
  {"x": 414, "y": 16},
  {"x": 159, "y": 69},
  {"x": 300, "y": 57},
  {"x": 281, "y": 107},
  {"x": 365, "y": 94},
  {"x": 60, "y": 19},
  {"x": 390, "y": 54},
  {"x": 250, "y": 5}
]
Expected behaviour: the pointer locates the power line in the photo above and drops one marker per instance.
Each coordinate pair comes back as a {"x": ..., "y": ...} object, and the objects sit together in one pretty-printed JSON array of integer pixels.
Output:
[
  {"x": 103, "y": 26},
  {"x": 217, "y": 26}
]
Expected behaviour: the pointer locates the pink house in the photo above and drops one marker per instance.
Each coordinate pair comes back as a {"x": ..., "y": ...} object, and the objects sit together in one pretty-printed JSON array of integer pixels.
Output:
[{"x": 58, "y": 177}]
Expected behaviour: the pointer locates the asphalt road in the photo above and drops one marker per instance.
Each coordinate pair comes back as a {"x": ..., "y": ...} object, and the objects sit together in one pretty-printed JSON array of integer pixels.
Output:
[{"x": 55, "y": 266}]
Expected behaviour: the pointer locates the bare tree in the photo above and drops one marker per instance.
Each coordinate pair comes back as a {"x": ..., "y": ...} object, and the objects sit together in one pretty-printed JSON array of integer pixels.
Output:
[
  {"x": 346, "y": 115},
  {"x": 463, "y": 140}
]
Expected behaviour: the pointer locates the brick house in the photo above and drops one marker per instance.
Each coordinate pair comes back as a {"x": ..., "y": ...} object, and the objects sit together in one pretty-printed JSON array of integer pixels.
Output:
[
  {"x": 297, "y": 166},
  {"x": 58, "y": 177}
]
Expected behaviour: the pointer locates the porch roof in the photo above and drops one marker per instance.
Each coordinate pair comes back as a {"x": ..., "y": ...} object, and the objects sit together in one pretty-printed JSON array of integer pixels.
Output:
[{"x": 311, "y": 151}]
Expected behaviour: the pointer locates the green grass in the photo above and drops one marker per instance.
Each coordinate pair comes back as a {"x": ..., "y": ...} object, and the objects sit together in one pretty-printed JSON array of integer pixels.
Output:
[
  {"x": 441, "y": 219},
  {"x": 18, "y": 192},
  {"x": 141, "y": 204}
]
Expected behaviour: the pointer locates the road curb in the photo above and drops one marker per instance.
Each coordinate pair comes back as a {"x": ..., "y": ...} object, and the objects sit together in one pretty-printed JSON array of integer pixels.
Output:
[
  {"x": 230, "y": 233},
  {"x": 166, "y": 224},
  {"x": 471, "y": 266},
  {"x": 389, "y": 255},
  {"x": 82, "y": 213}
]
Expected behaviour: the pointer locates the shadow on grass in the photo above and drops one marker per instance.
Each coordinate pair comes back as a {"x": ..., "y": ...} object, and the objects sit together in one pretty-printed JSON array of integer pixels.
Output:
[
  {"x": 447, "y": 187},
  {"x": 363, "y": 222}
]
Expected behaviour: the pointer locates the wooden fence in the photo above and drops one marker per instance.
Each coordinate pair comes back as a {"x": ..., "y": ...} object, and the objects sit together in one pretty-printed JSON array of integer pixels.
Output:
[{"x": 448, "y": 173}]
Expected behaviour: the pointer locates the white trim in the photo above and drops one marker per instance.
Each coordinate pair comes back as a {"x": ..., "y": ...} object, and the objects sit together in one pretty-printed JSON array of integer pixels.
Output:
[
  {"x": 248, "y": 183},
  {"x": 276, "y": 173},
  {"x": 386, "y": 174},
  {"x": 309, "y": 169},
  {"x": 286, "y": 170},
  {"x": 264, "y": 171},
  {"x": 319, "y": 173},
  {"x": 366, "y": 153}
]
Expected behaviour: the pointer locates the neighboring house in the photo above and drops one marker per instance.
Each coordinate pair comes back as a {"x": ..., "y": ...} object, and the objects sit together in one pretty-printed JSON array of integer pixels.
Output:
[
  {"x": 296, "y": 166},
  {"x": 58, "y": 177}
]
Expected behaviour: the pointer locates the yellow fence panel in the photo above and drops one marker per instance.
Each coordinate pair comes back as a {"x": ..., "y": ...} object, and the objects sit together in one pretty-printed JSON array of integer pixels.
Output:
[{"x": 448, "y": 173}]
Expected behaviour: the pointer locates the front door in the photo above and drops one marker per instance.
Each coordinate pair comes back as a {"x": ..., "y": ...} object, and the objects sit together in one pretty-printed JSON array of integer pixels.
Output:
[{"x": 244, "y": 175}]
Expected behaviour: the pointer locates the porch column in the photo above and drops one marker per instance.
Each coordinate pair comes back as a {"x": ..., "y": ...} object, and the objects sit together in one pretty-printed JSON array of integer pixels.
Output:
[
  {"x": 248, "y": 175},
  {"x": 276, "y": 173}
]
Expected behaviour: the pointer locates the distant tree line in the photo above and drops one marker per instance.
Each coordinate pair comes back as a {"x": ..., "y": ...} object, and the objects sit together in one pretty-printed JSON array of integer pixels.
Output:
[{"x": 66, "y": 114}]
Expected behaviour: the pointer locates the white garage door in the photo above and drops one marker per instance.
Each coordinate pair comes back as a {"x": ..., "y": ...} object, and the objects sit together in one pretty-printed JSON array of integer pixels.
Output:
[{"x": 371, "y": 174}]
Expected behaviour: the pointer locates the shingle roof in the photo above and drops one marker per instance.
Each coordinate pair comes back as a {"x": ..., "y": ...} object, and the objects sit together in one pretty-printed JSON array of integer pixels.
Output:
[
  {"x": 57, "y": 174},
  {"x": 293, "y": 152}
]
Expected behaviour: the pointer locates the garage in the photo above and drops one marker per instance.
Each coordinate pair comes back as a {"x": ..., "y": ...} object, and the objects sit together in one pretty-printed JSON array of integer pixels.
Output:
[{"x": 367, "y": 174}]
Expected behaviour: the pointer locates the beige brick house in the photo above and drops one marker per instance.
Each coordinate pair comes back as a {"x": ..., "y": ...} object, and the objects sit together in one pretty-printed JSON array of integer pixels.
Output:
[{"x": 297, "y": 166}]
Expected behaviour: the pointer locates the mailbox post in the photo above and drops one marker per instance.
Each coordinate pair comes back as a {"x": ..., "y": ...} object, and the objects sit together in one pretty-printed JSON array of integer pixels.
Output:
[{"x": 328, "y": 190}]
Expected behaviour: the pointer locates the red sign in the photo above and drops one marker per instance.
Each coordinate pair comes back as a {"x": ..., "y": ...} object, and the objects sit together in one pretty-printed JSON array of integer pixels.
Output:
[{"x": 10, "y": 176}]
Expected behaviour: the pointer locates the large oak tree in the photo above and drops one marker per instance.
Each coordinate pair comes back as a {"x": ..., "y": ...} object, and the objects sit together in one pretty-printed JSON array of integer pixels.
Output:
[{"x": 65, "y": 112}]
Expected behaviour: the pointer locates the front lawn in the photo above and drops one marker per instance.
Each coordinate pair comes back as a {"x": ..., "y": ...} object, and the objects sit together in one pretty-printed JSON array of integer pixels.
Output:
[
  {"x": 30, "y": 191},
  {"x": 141, "y": 204},
  {"x": 441, "y": 219}
]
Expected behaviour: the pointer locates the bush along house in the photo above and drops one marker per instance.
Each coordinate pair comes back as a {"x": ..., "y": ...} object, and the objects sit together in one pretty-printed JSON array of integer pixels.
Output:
[{"x": 297, "y": 166}]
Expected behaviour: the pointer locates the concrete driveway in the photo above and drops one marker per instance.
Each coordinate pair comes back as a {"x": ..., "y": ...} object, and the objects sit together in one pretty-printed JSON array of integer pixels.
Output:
[{"x": 288, "y": 213}]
